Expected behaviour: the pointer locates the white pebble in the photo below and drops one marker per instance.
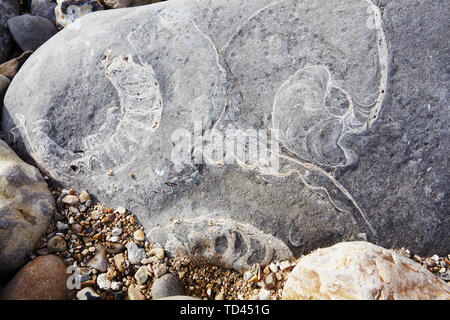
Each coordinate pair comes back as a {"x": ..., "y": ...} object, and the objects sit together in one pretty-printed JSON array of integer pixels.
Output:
[
  {"x": 121, "y": 210},
  {"x": 103, "y": 282},
  {"x": 116, "y": 231}
]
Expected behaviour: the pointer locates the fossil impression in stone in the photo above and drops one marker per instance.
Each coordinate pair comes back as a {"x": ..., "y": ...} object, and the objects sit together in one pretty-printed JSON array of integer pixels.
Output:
[{"x": 222, "y": 242}]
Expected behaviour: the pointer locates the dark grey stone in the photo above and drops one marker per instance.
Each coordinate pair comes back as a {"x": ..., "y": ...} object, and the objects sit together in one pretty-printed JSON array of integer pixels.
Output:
[
  {"x": 30, "y": 32},
  {"x": 44, "y": 9},
  {"x": 8, "y": 9},
  {"x": 354, "y": 92},
  {"x": 167, "y": 286}
]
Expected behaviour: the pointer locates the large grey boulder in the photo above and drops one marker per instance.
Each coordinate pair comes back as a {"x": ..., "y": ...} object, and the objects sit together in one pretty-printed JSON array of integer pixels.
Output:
[
  {"x": 354, "y": 116},
  {"x": 26, "y": 207},
  {"x": 8, "y": 9}
]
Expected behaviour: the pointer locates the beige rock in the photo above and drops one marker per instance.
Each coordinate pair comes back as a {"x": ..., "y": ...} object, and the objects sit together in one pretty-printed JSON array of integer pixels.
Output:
[
  {"x": 134, "y": 293},
  {"x": 141, "y": 275},
  {"x": 139, "y": 235},
  {"x": 26, "y": 209},
  {"x": 44, "y": 278},
  {"x": 11, "y": 67},
  {"x": 70, "y": 200},
  {"x": 119, "y": 261},
  {"x": 361, "y": 271},
  {"x": 158, "y": 252},
  {"x": 84, "y": 196}
]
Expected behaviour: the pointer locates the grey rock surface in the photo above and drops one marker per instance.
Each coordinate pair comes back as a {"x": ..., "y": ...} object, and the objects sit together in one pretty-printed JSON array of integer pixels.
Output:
[
  {"x": 25, "y": 212},
  {"x": 8, "y": 9},
  {"x": 355, "y": 116},
  {"x": 167, "y": 286},
  {"x": 30, "y": 32}
]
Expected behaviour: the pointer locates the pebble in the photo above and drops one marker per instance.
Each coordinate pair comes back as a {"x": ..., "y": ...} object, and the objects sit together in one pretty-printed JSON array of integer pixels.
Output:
[
  {"x": 44, "y": 9},
  {"x": 114, "y": 248},
  {"x": 247, "y": 275},
  {"x": 159, "y": 269},
  {"x": 273, "y": 267},
  {"x": 270, "y": 281},
  {"x": 134, "y": 293},
  {"x": 116, "y": 285},
  {"x": 166, "y": 286},
  {"x": 99, "y": 261},
  {"x": 61, "y": 226},
  {"x": 141, "y": 275},
  {"x": 149, "y": 260},
  {"x": 69, "y": 11},
  {"x": 30, "y": 32},
  {"x": 135, "y": 253},
  {"x": 119, "y": 261},
  {"x": 84, "y": 271},
  {"x": 285, "y": 265},
  {"x": 103, "y": 282},
  {"x": 74, "y": 210},
  {"x": 71, "y": 200},
  {"x": 116, "y": 232},
  {"x": 435, "y": 258},
  {"x": 264, "y": 294},
  {"x": 114, "y": 239},
  {"x": 84, "y": 196},
  {"x": 87, "y": 294},
  {"x": 57, "y": 244},
  {"x": 158, "y": 252},
  {"x": 445, "y": 276},
  {"x": 139, "y": 235}
]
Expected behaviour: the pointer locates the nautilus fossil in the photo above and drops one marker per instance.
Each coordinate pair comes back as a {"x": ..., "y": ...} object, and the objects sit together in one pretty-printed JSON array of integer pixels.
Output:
[{"x": 306, "y": 125}]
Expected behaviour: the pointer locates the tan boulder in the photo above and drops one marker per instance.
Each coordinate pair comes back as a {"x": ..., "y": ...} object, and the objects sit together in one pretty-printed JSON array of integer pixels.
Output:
[
  {"x": 44, "y": 278},
  {"x": 26, "y": 207},
  {"x": 361, "y": 271}
]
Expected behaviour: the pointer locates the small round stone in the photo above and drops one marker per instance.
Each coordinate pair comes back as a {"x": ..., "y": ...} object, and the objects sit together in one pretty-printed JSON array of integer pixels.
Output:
[
  {"x": 141, "y": 275},
  {"x": 84, "y": 196},
  {"x": 57, "y": 244},
  {"x": 166, "y": 286},
  {"x": 139, "y": 235},
  {"x": 71, "y": 200}
]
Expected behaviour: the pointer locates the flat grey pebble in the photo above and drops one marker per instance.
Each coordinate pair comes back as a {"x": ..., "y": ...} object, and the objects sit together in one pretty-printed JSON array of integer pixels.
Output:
[{"x": 166, "y": 286}]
